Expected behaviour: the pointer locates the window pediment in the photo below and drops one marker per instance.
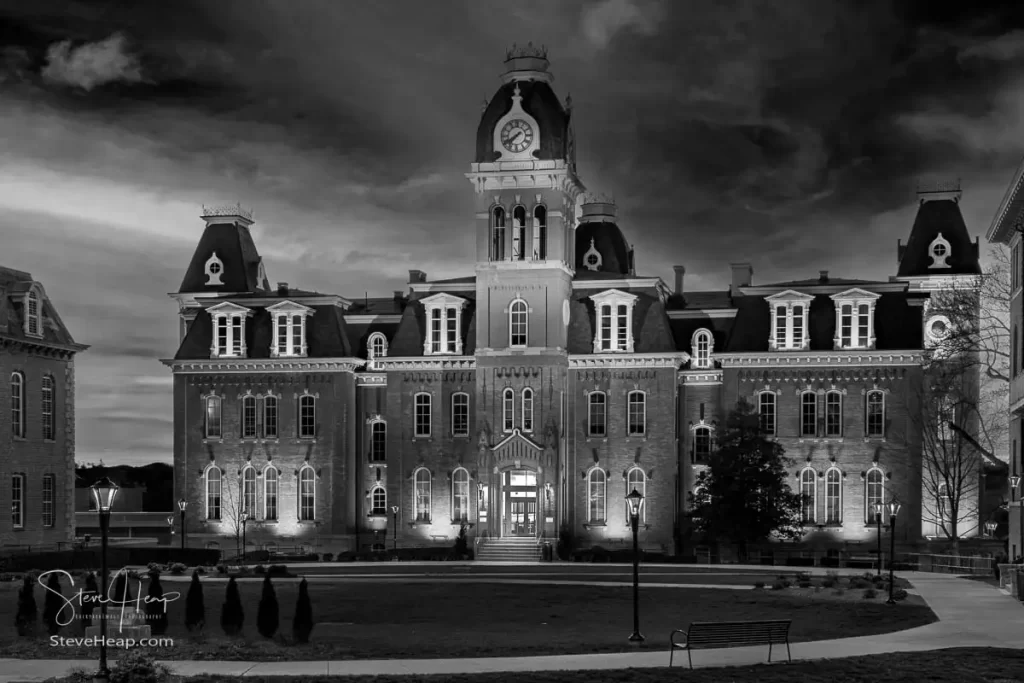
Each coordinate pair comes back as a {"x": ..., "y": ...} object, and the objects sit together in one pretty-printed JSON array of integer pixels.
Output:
[
  {"x": 613, "y": 296},
  {"x": 788, "y": 296},
  {"x": 289, "y": 307},
  {"x": 856, "y": 294},
  {"x": 229, "y": 308},
  {"x": 442, "y": 299}
]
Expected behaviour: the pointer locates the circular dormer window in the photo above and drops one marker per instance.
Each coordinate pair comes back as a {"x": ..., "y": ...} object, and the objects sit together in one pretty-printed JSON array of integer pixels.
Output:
[
  {"x": 592, "y": 260},
  {"x": 939, "y": 249},
  {"x": 214, "y": 267},
  {"x": 938, "y": 328}
]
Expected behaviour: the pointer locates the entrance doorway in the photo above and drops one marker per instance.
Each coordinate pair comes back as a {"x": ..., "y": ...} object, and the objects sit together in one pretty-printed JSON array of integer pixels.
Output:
[{"x": 519, "y": 503}]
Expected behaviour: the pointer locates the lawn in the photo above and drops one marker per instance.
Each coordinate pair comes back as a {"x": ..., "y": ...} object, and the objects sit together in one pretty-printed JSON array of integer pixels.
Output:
[{"x": 412, "y": 620}]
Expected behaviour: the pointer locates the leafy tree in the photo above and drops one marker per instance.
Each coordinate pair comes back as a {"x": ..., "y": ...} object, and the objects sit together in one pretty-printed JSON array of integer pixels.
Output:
[
  {"x": 52, "y": 604},
  {"x": 91, "y": 592},
  {"x": 156, "y": 608},
  {"x": 267, "y": 616},
  {"x": 743, "y": 496},
  {"x": 232, "y": 616},
  {"x": 302, "y": 623},
  {"x": 195, "y": 609},
  {"x": 25, "y": 618}
]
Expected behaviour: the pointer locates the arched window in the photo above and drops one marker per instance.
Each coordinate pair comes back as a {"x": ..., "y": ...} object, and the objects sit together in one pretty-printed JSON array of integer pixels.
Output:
[
  {"x": 508, "y": 410},
  {"x": 875, "y": 419},
  {"x": 527, "y": 412},
  {"x": 540, "y": 233},
  {"x": 637, "y": 480},
  {"x": 597, "y": 485},
  {"x": 378, "y": 501},
  {"x": 701, "y": 347},
  {"x": 270, "y": 479},
  {"x": 376, "y": 348},
  {"x": 213, "y": 482},
  {"x": 498, "y": 234},
  {"x": 378, "y": 441},
  {"x": 808, "y": 495},
  {"x": 249, "y": 417},
  {"x": 460, "y": 495},
  {"x": 808, "y": 414},
  {"x": 307, "y": 416},
  {"x": 47, "y": 409},
  {"x": 518, "y": 233},
  {"x": 597, "y": 414},
  {"x": 833, "y": 414},
  {"x": 701, "y": 452},
  {"x": 518, "y": 323},
  {"x": 249, "y": 491},
  {"x": 833, "y": 496},
  {"x": 636, "y": 419},
  {"x": 422, "y": 493},
  {"x": 874, "y": 492},
  {"x": 422, "y": 414},
  {"x": 18, "y": 404},
  {"x": 460, "y": 414},
  {"x": 307, "y": 494},
  {"x": 213, "y": 422},
  {"x": 766, "y": 412}
]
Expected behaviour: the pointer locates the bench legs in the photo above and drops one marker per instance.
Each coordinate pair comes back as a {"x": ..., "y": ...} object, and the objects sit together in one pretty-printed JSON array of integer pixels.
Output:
[
  {"x": 769, "y": 652},
  {"x": 689, "y": 656}
]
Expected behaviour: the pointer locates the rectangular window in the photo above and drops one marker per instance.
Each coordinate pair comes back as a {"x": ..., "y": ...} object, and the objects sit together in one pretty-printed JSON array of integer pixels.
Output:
[
  {"x": 18, "y": 501},
  {"x": 249, "y": 417},
  {"x": 798, "y": 326},
  {"x": 270, "y": 417},
  {"x": 637, "y": 419},
  {"x": 833, "y": 414},
  {"x": 790, "y": 325},
  {"x": 291, "y": 334},
  {"x": 622, "y": 336},
  {"x": 49, "y": 500},
  {"x": 453, "y": 329},
  {"x": 213, "y": 423},
  {"x": 846, "y": 326},
  {"x": 863, "y": 325},
  {"x": 282, "y": 335},
  {"x": 236, "y": 335},
  {"x": 606, "y": 327},
  {"x": 481, "y": 510},
  {"x": 876, "y": 414},
  {"x": 780, "y": 327},
  {"x": 307, "y": 417},
  {"x": 460, "y": 414},
  {"x": 597, "y": 414},
  {"x": 808, "y": 414},
  {"x": 435, "y": 330},
  {"x": 229, "y": 335},
  {"x": 378, "y": 441},
  {"x": 766, "y": 412},
  {"x": 222, "y": 336},
  {"x": 422, "y": 415},
  {"x": 49, "y": 423},
  {"x": 296, "y": 334},
  {"x": 701, "y": 446}
]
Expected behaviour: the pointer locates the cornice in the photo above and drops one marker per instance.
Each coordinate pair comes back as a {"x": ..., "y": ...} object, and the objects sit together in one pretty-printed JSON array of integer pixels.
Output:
[
  {"x": 816, "y": 288},
  {"x": 42, "y": 345},
  {"x": 1009, "y": 210},
  {"x": 271, "y": 299},
  {"x": 251, "y": 365},
  {"x": 512, "y": 265},
  {"x": 377, "y": 379},
  {"x": 819, "y": 358},
  {"x": 427, "y": 287},
  {"x": 702, "y": 376},
  {"x": 428, "y": 363},
  {"x": 702, "y": 313},
  {"x": 635, "y": 282},
  {"x": 933, "y": 283},
  {"x": 629, "y": 360}
]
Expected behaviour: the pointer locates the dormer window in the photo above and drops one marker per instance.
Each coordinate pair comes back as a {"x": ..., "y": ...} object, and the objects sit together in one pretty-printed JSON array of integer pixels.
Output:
[
  {"x": 214, "y": 269},
  {"x": 855, "y": 319},
  {"x": 33, "y": 316},
  {"x": 289, "y": 333},
  {"x": 614, "y": 321},
  {"x": 444, "y": 324},
  {"x": 789, "y": 312},
  {"x": 939, "y": 250},
  {"x": 376, "y": 348},
  {"x": 228, "y": 330},
  {"x": 701, "y": 345}
]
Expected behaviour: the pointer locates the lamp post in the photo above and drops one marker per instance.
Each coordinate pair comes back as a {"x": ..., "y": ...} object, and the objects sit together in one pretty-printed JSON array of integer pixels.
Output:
[
  {"x": 990, "y": 528},
  {"x": 1014, "y": 483},
  {"x": 877, "y": 507},
  {"x": 635, "y": 501},
  {"x": 182, "y": 504},
  {"x": 894, "y": 509},
  {"x": 103, "y": 492},
  {"x": 394, "y": 524},
  {"x": 245, "y": 519}
]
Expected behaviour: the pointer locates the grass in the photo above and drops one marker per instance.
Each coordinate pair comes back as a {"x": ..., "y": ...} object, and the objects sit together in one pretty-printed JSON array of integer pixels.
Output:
[{"x": 441, "y": 620}]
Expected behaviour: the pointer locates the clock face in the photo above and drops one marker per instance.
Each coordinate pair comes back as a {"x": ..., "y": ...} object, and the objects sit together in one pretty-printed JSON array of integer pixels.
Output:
[{"x": 516, "y": 135}]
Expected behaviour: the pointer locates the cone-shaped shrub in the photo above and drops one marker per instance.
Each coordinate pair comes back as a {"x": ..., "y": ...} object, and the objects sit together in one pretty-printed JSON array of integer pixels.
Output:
[
  {"x": 231, "y": 615},
  {"x": 89, "y": 595},
  {"x": 156, "y": 608},
  {"x": 25, "y": 618},
  {"x": 267, "y": 616},
  {"x": 121, "y": 592},
  {"x": 195, "y": 609},
  {"x": 52, "y": 604},
  {"x": 302, "y": 624}
]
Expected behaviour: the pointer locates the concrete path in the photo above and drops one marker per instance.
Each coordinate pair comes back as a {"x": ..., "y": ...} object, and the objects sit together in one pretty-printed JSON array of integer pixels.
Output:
[{"x": 971, "y": 614}]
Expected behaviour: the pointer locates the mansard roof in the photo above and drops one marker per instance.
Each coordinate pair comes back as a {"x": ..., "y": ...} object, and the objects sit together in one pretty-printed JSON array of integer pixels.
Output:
[
  {"x": 699, "y": 301},
  {"x": 412, "y": 330},
  {"x": 683, "y": 329},
  {"x": 651, "y": 330},
  {"x": 14, "y": 285},
  {"x": 934, "y": 217},
  {"x": 234, "y": 246},
  {"x": 540, "y": 102}
]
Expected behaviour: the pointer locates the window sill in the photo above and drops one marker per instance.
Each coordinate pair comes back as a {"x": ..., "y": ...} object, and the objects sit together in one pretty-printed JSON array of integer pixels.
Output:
[
  {"x": 640, "y": 436},
  {"x": 268, "y": 439},
  {"x": 306, "y": 439},
  {"x": 643, "y": 526},
  {"x": 213, "y": 439},
  {"x": 19, "y": 438},
  {"x": 420, "y": 522},
  {"x": 596, "y": 437},
  {"x": 377, "y": 515},
  {"x": 460, "y": 436},
  {"x": 594, "y": 525},
  {"x": 307, "y": 522},
  {"x": 460, "y": 522},
  {"x": 273, "y": 522},
  {"x": 880, "y": 439},
  {"x": 45, "y": 440}
]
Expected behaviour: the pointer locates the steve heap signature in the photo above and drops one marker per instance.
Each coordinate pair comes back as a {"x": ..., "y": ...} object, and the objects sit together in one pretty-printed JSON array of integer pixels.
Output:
[{"x": 66, "y": 614}]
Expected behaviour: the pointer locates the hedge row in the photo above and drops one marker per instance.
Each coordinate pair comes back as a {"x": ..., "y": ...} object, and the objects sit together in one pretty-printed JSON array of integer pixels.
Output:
[{"x": 117, "y": 557}]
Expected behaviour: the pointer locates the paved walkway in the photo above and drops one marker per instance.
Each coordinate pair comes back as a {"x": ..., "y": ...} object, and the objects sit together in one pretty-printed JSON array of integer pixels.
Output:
[{"x": 971, "y": 613}]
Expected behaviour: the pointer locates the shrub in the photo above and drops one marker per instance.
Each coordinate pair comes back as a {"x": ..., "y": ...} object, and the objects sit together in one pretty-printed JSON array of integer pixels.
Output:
[
  {"x": 122, "y": 590},
  {"x": 267, "y": 615},
  {"x": 195, "y": 610},
  {"x": 566, "y": 541},
  {"x": 135, "y": 666},
  {"x": 328, "y": 557},
  {"x": 870, "y": 593},
  {"x": 259, "y": 569},
  {"x": 899, "y": 594},
  {"x": 222, "y": 569},
  {"x": 831, "y": 579},
  {"x": 154, "y": 567},
  {"x": 838, "y": 591},
  {"x": 462, "y": 540},
  {"x": 156, "y": 608},
  {"x": 859, "y": 582},
  {"x": 178, "y": 568},
  {"x": 780, "y": 585},
  {"x": 302, "y": 624},
  {"x": 52, "y": 604},
  {"x": 91, "y": 592},
  {"x": 278, "y": 570},
  {"x": 232, "y": 616},
  {"x": 759, "y": 584},
  {"x": 804, "y": 583},
  {"x": 25, "y": 618}
]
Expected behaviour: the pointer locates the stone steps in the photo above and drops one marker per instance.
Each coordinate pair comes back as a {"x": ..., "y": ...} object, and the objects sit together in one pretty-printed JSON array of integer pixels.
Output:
[{"x": 509, "y": 550}]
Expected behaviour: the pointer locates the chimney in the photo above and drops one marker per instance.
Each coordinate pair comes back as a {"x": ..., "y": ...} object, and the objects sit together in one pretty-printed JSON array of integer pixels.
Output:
[
  {"x": 399, "y": 295},
  {"x": 822, "y": 276},
  {"x": 742, "y": 274},
  {"x": 680, "y": 271},
  {"x": 282, "y": 287},
  {"x": 417, "y": 276}
]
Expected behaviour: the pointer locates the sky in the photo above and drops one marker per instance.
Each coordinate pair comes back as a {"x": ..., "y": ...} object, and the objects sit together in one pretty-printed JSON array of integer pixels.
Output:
[{"x": 791, "y": 135}]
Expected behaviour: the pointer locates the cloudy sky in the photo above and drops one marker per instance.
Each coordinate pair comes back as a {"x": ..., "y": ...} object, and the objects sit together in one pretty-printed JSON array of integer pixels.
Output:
[{"x": 792, "y": 134}]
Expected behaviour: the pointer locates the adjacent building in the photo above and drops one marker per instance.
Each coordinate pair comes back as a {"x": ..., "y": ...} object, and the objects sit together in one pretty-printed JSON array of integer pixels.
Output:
[
  {"x": 37, "y": 427},
  {"x": 553, "y": 379}
]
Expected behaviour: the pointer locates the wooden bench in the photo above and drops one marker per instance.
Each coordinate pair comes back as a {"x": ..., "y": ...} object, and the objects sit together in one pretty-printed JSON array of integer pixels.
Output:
[{"x": 706, "y": 635}]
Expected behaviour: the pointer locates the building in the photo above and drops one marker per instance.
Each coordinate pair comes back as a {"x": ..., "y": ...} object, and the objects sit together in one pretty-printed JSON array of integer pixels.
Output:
[
  {"x": 37, "y": 431},
  {"x": 554, "y": 379},
  {"x": 1006, "y": 230}
]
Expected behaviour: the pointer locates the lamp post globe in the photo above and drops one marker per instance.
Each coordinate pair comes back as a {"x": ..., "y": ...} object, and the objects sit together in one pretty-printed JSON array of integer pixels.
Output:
[
  {"x": 394, "y": 530},
  {"x": 635, "y": 500},
  {"x": 894, "y": 511},
  {"x": 877, "y": 509},
  {"x": 182, "y": 504},
  {"x": 104, "y": 492}
]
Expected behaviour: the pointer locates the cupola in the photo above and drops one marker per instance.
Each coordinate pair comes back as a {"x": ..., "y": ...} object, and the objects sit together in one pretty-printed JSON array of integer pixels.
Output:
[
  {"x": 527, "y": 64},
  {"x": 600, "y": 245}
]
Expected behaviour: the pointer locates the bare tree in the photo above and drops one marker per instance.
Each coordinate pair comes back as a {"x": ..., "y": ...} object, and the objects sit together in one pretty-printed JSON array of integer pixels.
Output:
[{"x": 231, "y": 514}]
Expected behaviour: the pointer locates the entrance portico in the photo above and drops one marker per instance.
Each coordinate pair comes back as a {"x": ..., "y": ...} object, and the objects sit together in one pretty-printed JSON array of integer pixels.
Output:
[{"x": 517, "y": 499}]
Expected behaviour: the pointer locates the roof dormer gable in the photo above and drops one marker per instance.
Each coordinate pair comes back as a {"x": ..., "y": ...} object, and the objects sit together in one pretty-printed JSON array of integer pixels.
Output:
[
  {"x": 789, "y": 296},
  {"x": 855, "y": 319},
  {"x": 443, "y": 334},
  {"x": 856, "y": 294},
  {"x": 790, "y": 311},
  {"x": 613, "y": 296},
  {"x": 228, "y": 308},
  {"x": 289, "y": 307},
  {"x": 442, "y": 299},
  {"x": 613, "y": 329}
]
